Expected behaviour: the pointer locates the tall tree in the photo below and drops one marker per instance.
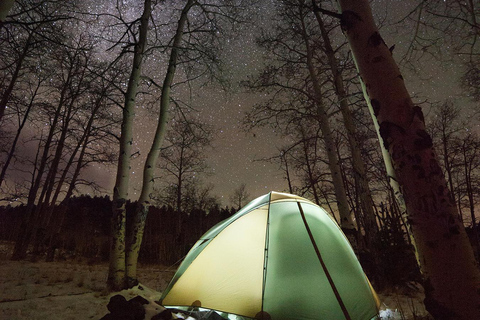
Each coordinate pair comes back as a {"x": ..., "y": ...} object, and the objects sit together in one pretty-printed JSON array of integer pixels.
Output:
[
  {"x": 346, "y": 220},
  {"x": 141, "y": 211},
  {"x": 23, "y": 109},
  {"x": 81, "y": 151},
  {"x": 295, "y": 80},
  {"x": 451, "y": 275},
  {"x": 359, "y": 170},
  {"x": 187, "y": 48},
  {"x": 445, "y": 128},
  {"x": 469, "y": 148},
  {"x": 68, "y": 80},
  {"x": 36, "y": 25},
  {"x": 116, "y": 274}
]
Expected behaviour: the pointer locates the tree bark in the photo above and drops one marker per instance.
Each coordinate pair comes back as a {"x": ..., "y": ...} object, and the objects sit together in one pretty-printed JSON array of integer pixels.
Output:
[
  {"x": 141, "y": 211},
  {"x": 362, "y": 188},
  {"x": 451, "y": 275},
  {"x": 346, "y": 220},
  {"x": 116, "y": 274}
]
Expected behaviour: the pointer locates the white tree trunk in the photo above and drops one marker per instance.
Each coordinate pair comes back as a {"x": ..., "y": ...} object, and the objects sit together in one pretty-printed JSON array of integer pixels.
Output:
[
  {"x": 116, "y": 273},
  {"x": 451, "y": 275},
  {"x": 346, "y": 220},
  {"x": 135, "y": 239},
  {"x": 363, "y": 190}
]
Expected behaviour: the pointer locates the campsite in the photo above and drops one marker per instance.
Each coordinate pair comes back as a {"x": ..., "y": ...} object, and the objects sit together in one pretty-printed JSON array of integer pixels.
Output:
[
  {"x": 240, "y": 159},
  {"x": 74, "y": 287},
  {"x": 66, "y": 290},
  {"x": 228, "y": 276}
]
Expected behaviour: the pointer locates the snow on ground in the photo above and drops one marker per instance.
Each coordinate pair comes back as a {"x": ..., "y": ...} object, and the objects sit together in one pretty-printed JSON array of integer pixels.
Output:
[
  {"x": 64, "y": 290},
  {"x": 404, "y": 304},
  {"x": 76, "y": 290}
]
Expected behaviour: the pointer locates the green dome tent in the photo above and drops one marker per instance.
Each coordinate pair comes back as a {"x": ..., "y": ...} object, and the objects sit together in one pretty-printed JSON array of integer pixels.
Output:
[{"x": 280, "y": 257}]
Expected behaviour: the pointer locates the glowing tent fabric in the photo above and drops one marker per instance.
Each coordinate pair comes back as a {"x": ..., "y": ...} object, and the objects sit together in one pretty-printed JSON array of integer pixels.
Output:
[{"x": 280, "y": 257}]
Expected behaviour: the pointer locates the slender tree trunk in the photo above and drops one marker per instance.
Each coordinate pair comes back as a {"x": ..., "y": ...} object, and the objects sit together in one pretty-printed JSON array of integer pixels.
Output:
[
  {"x": 179, "y": 184},
  {"x": 29, "y": 220},
  {"x": 81, "y": 146},
  {"x": 44, "y": 204},
  {"x": 459, "y": 204},
  {"x": 67, "y": 117},
  {"x": 49, "y": 184},
  {"x": 116, "y": 273},
  {"x": 17, "y": 136},
  {"x": 312, "y": 181},
  {"x": 468, "y": 182},
  {"x": 141, "y": 211},
  {"x": 446, "y": 160},
  {"x": 468, "y": 162},
  {"x": 287, "y": 172},
  {"x": 346, "y": 220},
  {"x": 451, "y": 275},
  {"x": 363, "y": 190},
  {"x": 8, "y": 91},
  {"x": 56, "y": 226}
]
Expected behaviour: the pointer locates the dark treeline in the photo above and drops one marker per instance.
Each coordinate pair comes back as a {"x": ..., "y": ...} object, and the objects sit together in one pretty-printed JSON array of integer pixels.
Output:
[{"x": 84, "y": 231}]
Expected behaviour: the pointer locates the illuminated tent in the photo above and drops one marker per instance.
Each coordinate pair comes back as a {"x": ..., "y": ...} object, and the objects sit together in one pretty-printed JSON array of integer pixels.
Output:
[{"x": 280, "y": 257}]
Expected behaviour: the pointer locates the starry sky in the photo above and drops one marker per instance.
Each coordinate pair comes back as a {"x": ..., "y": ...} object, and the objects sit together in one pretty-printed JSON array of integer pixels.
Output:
[{"x": 235, "y": 156}]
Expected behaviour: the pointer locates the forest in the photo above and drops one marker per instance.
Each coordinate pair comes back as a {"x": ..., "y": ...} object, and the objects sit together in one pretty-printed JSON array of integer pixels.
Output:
[{"x": 112, "y": 120}]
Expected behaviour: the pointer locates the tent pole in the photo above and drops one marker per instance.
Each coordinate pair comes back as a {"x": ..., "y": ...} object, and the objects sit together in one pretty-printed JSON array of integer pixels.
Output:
[{"x": 324, "y": 267}]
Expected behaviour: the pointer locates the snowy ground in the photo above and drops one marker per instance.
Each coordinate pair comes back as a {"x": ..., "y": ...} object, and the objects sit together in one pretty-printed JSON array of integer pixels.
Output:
[
  {"x": 76, "y": 290},
  {"x": 64, "y": 290},
  {"x": 404, "y": 304}
]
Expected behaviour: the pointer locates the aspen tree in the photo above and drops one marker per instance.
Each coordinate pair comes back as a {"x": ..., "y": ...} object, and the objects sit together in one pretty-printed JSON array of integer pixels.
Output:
[
  {"x": 116, "y": 272},
  {"x": 141, "y": 211},
  {"x": 450, "y": 272}
]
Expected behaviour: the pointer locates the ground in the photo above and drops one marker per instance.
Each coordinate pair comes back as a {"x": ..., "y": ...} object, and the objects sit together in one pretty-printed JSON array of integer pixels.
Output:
[{"x": 71, "y": 290}]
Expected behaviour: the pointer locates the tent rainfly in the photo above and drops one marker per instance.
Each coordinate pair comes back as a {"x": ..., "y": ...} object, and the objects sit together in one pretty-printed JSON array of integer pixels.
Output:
[{"x": 280, "y": 257}]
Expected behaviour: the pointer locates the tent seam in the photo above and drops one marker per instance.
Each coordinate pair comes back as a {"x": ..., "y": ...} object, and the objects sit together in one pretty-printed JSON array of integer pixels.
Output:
[
  {"x": 322, "y": 263},
  {"x": 265, "y": 251}
]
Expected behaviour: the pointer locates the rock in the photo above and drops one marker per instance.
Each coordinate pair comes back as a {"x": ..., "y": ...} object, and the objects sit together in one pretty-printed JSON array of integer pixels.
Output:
[
  {"x": 121, "y": 309},
  {"x": 139, "y": 299},
  {"x": 117, "y": 304},
  {"x": 164, "y": 315},
  {"x": 136, "y": 309}
]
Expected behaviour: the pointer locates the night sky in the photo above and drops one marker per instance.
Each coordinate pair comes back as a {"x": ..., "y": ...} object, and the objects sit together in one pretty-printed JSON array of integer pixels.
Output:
[
  {"x": 235, "y": 154},
  {"x": 234, "y": 158}
]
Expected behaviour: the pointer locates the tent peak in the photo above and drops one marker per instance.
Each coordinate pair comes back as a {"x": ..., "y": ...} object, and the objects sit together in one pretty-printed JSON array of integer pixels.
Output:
[{"x": 279, "y": 196}]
